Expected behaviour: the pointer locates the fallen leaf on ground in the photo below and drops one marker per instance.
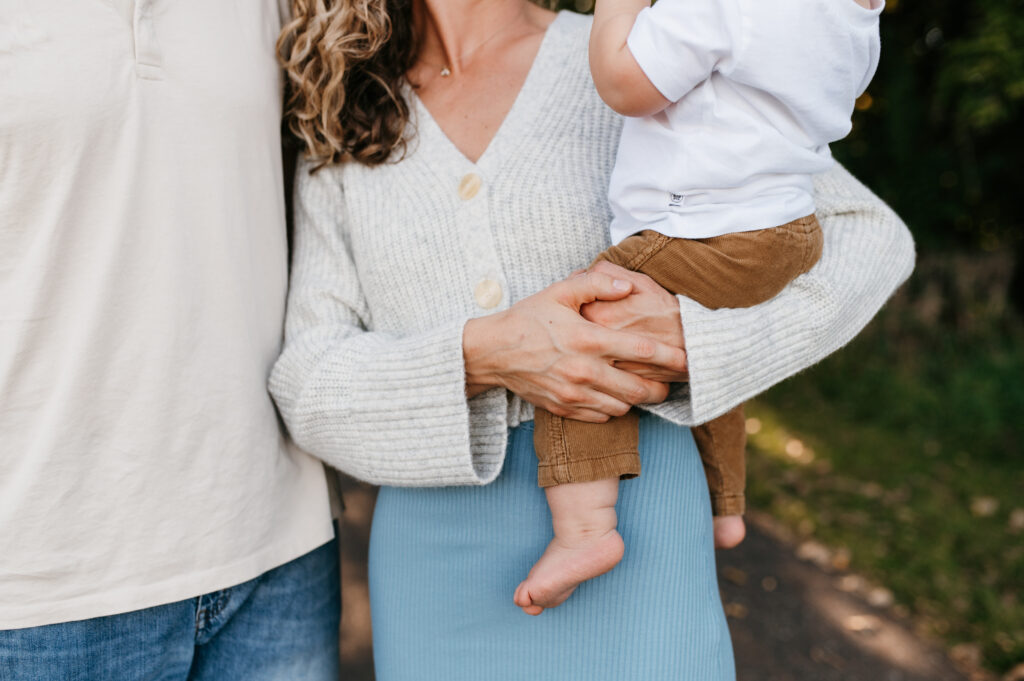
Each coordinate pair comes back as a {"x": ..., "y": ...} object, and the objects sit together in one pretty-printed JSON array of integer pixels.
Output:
[
  {"x": 851, "y": 583},
  {"x": 841, "y": 559},
  {"x": 871, "y": 490},
  {"x": 984, "y": 507},
  {"x": 863, "y": 624},
  {"x": 814, "y": 552},
  {"x": 734, "y": 575},
  {"x": 880, "y": 597},
  {"x": 827, "y": 657},
  {"x": 966, "y": 654},
  {"x": 1017, "y": 520},
  {"x": 735, "y": 610}
]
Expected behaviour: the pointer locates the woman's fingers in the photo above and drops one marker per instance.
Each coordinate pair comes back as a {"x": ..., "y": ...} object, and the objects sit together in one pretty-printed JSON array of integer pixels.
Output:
[
  {"x": 653, "y": 373},
  {"x": 586, "y": 404},
  {"x": 650, "y": 311},
  {"x": 630, "y": 347},
  {"x": 598, "y": 386},
  {"x": 628, "y": 388},
  {"x": 580, "y": 414},
  {"x": 579, "y": 290},
  {"x": 604, "y": 393}
]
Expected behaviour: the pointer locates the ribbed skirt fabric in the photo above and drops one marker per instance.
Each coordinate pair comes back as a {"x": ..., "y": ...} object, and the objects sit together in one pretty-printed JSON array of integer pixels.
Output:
[{"x": 444, "y": 563}]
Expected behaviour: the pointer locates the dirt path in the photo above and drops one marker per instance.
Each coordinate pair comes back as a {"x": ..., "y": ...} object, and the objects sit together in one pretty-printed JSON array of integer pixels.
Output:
[{"x": 791, "y": 619}]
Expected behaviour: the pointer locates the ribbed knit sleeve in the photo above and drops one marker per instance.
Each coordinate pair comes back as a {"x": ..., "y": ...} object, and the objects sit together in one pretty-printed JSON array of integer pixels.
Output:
[
  {"x": 735, "y": 354},
  {"x": 388, "y": 409}
]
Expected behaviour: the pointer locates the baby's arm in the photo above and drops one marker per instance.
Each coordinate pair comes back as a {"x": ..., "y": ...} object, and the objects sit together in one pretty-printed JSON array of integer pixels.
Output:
[
  {"x": 644, "y": 58},
  {"x": 620, "y": 81}
]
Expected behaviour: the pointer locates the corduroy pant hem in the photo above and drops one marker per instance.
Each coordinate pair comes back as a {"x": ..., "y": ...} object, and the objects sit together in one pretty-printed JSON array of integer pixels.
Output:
[
  {"x": 728, "y": 504},
  {"x": 622, "y": 465},
  {"x": 574, "y": 451}
]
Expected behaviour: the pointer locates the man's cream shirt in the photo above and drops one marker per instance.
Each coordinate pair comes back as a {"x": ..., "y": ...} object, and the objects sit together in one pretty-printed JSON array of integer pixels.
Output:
[{"x": 143, "y": 271}]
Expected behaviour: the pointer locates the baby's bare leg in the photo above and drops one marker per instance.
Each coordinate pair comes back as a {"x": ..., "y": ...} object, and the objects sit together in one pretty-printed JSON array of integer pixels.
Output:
[{"x": 586, "y": 543}]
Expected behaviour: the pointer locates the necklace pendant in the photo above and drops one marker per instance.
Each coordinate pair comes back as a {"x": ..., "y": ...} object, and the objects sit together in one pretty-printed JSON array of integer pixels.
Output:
[{"x": 445, "y": 72}]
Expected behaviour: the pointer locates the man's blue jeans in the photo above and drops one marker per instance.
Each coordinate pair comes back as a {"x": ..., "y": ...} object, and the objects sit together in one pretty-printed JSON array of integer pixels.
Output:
[{"x": 281, "y": 626}]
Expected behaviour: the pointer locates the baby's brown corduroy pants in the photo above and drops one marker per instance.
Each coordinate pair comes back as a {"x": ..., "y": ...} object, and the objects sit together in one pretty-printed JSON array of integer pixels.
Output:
[{"x": 735, "y": 270}]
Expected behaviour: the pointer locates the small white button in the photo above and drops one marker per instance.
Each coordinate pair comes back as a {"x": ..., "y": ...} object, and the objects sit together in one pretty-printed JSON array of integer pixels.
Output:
[
  {"x": 487, "y": 294},
  {"x": 469, "y": 186}
]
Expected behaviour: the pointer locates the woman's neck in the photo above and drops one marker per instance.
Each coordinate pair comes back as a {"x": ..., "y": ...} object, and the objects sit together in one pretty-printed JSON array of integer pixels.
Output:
[{"x": 453, "y": 32}]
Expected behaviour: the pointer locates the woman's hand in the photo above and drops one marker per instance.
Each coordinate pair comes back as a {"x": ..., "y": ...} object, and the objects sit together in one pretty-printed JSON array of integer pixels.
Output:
[
  {"x": 544, "y": 351},
  {"x": 649, "y": 311}
]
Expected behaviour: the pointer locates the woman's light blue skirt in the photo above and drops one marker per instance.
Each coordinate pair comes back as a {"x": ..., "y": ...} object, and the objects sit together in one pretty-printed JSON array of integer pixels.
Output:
[{"x": 444, "y": 563}]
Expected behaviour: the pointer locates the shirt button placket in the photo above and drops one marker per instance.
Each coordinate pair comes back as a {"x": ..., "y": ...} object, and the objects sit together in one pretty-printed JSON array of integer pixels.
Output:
[
  {"x": 148, "y": 55},
  {"x": 488, "y": 291}
]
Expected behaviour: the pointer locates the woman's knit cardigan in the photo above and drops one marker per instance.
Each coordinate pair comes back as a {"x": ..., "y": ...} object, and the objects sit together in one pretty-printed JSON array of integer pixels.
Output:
[{"x": 389, "y": 263}]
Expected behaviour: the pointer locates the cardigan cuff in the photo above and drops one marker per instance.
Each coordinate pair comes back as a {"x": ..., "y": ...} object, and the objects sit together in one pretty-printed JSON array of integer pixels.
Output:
[
  {"x": 393, "y": 411},
  {"x": 408, "y": 398}
]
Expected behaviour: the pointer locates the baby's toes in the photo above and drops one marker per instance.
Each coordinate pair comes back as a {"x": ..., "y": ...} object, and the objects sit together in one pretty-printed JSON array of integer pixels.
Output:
[{"x": 522, "y": 596}]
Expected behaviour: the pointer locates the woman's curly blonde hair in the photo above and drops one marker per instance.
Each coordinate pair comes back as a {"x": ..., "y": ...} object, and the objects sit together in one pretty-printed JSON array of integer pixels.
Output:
[{"x": 345, "y": 62}]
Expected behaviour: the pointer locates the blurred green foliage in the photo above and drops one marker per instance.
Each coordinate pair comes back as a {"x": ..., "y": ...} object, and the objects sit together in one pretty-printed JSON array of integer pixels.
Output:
[{"x": 940, "y": 133}]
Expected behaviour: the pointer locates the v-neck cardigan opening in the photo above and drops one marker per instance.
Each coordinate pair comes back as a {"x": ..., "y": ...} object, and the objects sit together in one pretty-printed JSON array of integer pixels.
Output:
[{"x": 529, "y": 101}]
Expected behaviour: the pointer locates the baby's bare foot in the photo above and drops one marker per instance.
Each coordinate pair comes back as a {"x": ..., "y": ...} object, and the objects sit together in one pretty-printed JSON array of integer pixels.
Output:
[
  {"x": 564, "y": 566},
  {"x": 729, "y": 531}
]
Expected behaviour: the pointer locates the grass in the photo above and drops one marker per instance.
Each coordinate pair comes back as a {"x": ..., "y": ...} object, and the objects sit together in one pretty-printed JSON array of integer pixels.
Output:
[{"x": 904, "y": 450}]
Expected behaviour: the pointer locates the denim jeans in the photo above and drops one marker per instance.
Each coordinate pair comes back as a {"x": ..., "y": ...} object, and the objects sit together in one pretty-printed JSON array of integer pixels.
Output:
[{"x": 281, "y": 626}]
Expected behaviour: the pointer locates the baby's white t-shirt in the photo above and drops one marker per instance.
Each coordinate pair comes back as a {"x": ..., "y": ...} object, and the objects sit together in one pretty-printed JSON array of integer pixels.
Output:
[{"x": 759, "y": 89}]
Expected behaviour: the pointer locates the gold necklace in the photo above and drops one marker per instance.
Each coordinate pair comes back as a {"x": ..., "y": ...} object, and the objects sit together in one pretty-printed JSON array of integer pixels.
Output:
[{"x": 445, "y": 71}]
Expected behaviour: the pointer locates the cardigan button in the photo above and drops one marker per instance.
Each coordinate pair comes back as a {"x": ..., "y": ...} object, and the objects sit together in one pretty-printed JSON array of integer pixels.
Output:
[
  {"x": 487, "y": 294},
  {"x": 470, "y": 186}
]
